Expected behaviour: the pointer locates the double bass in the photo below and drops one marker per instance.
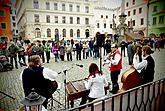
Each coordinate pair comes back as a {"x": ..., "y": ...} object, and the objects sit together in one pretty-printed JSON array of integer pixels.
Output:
[{"x": 130, "y": 79}]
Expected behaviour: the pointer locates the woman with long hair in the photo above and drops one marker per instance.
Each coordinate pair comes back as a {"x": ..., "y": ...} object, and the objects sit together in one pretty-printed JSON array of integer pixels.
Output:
[{"x": 95, "y": 83}]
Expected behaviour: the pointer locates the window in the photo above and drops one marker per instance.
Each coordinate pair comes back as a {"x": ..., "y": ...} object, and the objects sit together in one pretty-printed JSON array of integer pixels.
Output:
[
  {"x": 36, "y": 18},
  {"x": 87, "y": 33},
  {"x": 134, "y": 12},
  {"x": 16, "y": 31},
  {"x": 86, "y": 9},
  {"x": 127, "y": 4},
  {"x": 128, "y": 23},
  {"x": 56, "y": 19},
  {"x": 78, "y": 32},
  {"x": 63, "y": 20},
  {"x": 110, "y": 25},
  {"x": 98, "y": 25},
  {"x": 133, "y": 22},
  {"x": 71, "y": 32},
  {"x": 48, "y": 32},
  {"x": 78, "y": 20},
  {"x": 70, "y": 7},
  {"x": 64, "y": 32},
  {"x": 104, "y": 25},
  {"x": 47, "y": 6},
  {"x": 101, "y": 16},
  {"x": 133, "y": 2},
  {"x": 140, "y": 10},
  {"x": 13, "y": 18},
  {"x": 106, "y": 16},
  {"x": 35, "y": 4},
  {"x": 48, "y": 18},
  {"x": 141, "y": 21},
  {"x": 71, "y": 20},
  {"x": 87, "y": 21},
  {"x": 161, "y": 19},
  {"x": 78, "y": 8},
  {"x": 129, "y": 13},
  {"x": 55, "y": 6},
  {"x": 3, "y": 25},
  {"x": 63, "y": 7},
  {"x": 2, "y": 13},
  {"x": 155, "y": 8},
  {"x": 14, "y": 24},
  {"x": 154, "y": 21},
  {"x": 37, "y": 33}
]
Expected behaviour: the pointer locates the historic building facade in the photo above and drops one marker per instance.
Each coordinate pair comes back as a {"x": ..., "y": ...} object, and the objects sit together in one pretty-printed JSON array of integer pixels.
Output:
[
  {"x": 5, "y": 21},
  {"x": 137, "y": 15},
  {"x": 55, "y": 19},
  {"x": 14, "y": 28},
  {"x": 156, "y": 18}
]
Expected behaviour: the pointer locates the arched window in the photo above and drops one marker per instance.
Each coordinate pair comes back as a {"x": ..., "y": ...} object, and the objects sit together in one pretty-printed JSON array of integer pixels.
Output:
[
  {"x": 56, "y": 35},
  {"x": 87, "y": 33},
  {"x": 64, "y": 32},
  {"x": 71, "y": 32},
  {"x": 78, "y": 32},
  {"x": 37, "y": 33},
  {"x": 48, "y": 32}
]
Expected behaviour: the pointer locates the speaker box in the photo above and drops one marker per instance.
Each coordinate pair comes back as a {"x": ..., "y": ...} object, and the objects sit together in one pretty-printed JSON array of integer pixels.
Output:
[{"x": 100, "y": 40}]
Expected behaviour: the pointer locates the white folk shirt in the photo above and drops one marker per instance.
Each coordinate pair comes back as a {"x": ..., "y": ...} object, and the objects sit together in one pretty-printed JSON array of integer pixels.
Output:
[
  {"x": 96, "y": 86},
  {"x": 114, "y": 61},
  {"x": 142, "y": 64}
]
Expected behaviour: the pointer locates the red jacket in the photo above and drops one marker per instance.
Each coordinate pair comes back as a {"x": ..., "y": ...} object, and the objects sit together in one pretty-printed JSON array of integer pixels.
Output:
[{"x": 117, "y": 67}]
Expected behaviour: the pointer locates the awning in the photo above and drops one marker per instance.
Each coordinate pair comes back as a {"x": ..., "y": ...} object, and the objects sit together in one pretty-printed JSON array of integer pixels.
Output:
[{"x": 133, "y": 36}]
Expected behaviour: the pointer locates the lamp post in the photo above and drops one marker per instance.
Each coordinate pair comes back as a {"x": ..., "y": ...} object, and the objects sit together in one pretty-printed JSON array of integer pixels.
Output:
[{"x": 33, "y": 102}]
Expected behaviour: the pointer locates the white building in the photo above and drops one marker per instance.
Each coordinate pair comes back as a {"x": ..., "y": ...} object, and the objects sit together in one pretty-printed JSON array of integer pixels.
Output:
[
  {"x": 136, "y": 11},
  {"x": 49, "y": 18},
  {"x": 57, "y": 19},
  {"x": 104, "y": 11}
]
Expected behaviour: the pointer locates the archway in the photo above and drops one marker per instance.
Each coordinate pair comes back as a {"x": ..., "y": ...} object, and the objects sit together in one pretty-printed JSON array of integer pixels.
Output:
[
  {"x": 87, "y": 33},
  {"x": 64, "y": 32},
  {"x": 141, "y": 32},
  {"x": 78, "y": 32},
  {"x": 56, "y": 35},
  {"x": 37, "y": 33},
  {"x": 48, "y": 32},
  {"x": 152, "y": 35},
  {"x": 71, "y": 32}
]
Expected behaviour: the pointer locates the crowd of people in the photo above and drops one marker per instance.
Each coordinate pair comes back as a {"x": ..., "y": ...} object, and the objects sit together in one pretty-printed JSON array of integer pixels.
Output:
[
  {"x": 17, "y": 51},
  {"x": 138, "y": 53}
]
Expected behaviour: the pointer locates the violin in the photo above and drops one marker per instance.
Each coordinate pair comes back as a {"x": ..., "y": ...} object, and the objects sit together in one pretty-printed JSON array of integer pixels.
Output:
[{"x": 130, "y": 79}]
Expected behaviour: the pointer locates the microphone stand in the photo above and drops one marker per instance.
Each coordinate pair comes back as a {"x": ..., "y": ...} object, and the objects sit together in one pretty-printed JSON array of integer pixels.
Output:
[{"x": 65, "y": 82}]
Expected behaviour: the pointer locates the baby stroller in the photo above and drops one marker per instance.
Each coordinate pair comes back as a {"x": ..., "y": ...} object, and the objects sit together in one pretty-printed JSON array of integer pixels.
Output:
[{"x": 4, "y": 64}]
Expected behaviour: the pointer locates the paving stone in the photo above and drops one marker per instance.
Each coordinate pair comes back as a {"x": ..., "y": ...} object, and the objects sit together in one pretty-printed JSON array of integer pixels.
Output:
[{"x": 11, "y": 84}]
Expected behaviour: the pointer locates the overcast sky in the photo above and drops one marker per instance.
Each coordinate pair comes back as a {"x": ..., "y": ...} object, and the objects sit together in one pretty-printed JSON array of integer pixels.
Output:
[{"x": 112, "y": 3}]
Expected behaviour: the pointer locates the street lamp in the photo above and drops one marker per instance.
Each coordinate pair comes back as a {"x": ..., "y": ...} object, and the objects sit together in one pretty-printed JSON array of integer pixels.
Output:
[{"x": 33, "y": 102}]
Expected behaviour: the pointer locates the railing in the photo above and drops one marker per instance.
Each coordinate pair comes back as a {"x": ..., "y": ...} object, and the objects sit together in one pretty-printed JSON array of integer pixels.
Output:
[{"x": 147, "y": 97}]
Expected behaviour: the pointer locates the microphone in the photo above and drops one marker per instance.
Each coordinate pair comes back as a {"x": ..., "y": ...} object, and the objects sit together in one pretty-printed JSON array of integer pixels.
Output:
[{"x": 80, "y": 65}]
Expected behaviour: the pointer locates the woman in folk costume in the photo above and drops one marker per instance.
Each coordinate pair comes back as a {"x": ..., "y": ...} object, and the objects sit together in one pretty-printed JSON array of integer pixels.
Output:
[{"x": 95, "y": 82}]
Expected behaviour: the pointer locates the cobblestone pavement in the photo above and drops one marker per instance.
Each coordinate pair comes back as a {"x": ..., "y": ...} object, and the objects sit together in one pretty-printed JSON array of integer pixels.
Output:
[{"x": 12, "y": 85}]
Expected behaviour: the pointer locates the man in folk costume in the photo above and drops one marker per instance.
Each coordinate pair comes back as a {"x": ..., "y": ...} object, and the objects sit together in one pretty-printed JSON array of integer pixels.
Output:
[{"x": 115, "y": 60}]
